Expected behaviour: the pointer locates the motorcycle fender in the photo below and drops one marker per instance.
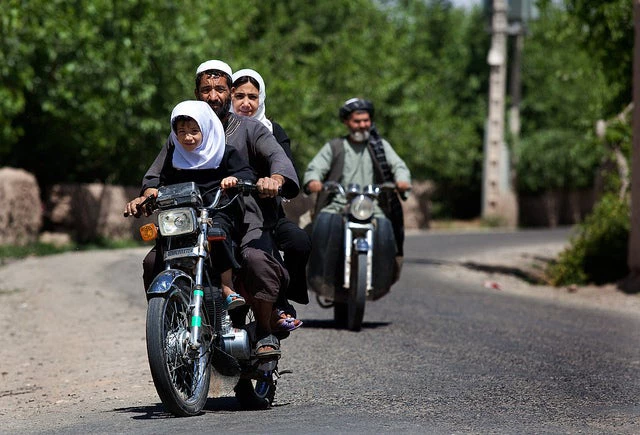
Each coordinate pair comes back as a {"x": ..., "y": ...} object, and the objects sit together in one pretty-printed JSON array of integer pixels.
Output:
[
  {"x": 361, "y": 245},
  {"x": 163, "y": 282}
]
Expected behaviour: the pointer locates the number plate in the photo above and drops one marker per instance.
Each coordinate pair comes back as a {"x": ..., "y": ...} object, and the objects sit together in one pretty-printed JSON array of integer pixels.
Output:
[{"x": 180, "y": 253}]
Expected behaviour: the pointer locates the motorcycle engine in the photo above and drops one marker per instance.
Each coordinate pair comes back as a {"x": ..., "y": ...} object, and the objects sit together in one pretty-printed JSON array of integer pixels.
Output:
[{"x": 236, "y": 343}]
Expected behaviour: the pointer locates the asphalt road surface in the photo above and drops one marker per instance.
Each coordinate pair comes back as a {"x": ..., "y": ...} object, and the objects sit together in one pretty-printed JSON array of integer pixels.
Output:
[{"x": 439, "y": 354}]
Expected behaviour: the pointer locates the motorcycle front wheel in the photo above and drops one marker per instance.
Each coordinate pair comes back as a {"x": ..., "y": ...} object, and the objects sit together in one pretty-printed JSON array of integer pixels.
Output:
[
  {"x": 181, "y": 376},
  {"x": 350, "y": 314},
  {"x": 357, "y": 291}
]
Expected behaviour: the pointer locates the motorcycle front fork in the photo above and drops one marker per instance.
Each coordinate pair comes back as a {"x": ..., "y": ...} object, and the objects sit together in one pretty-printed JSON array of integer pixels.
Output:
[
  {"x": 197, "y": 297},
  {"x": 360, "y": 246}
]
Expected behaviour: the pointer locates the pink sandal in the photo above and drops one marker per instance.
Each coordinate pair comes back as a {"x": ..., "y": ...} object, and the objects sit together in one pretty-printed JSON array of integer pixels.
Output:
[{"x": 286, "y": 322}]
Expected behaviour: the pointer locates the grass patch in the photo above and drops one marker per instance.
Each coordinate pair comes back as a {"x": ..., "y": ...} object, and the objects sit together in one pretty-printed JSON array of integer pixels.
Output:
[
  {"x": 10, "y": 291},
  {"x": 39, "y": 249}
]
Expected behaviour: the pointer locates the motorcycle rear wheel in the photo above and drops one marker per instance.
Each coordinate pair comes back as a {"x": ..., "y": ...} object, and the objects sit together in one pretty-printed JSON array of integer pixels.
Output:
[
  {"x": 182, "y": 381},
  {"x": 253, "y": 394}
]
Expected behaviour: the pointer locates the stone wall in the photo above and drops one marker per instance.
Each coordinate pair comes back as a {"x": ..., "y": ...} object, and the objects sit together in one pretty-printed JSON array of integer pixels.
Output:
[
  {"x": 21, "y": 209},
  {"x": 555, "y": 208},
  {"x": 91, "y": 211}
]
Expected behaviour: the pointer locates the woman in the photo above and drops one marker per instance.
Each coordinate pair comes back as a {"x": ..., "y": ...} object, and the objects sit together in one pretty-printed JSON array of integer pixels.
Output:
[{"x": 248, "y": 95}]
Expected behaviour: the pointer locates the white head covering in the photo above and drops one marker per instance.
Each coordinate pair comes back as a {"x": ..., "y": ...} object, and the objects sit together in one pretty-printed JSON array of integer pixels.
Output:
[
  {"x": 260, "y": 114},
  {"x": 214, "y": 64},
  {"x": 209, "y": 154}
]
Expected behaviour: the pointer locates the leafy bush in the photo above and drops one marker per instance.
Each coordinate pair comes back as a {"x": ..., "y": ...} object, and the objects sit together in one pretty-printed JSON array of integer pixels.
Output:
[
  {"x": 598, "y": 252},
  {"x": 556, "y": 159}
]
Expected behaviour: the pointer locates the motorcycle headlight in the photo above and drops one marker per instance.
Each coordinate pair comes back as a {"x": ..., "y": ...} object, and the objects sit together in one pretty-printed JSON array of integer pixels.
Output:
[
  {"x": 361, "y": 207},
  {"x": 177, "y": 221}
]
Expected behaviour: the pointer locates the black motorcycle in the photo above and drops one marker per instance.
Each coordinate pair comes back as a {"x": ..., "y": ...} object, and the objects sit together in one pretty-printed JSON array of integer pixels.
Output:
[
  {"x": 188, "y": 330},
  {"x": 353, "y": 254}
]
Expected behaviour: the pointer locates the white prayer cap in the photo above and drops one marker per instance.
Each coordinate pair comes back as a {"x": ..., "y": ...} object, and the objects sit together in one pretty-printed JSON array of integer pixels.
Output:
[{"x": 214, "y": 64}]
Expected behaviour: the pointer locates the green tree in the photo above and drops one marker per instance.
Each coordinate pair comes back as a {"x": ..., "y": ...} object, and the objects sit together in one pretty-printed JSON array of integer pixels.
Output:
[
  {"x": 565, "y": 92},
  {"x": 606, "y": 31},
  {"x": 87, "y": 86}
]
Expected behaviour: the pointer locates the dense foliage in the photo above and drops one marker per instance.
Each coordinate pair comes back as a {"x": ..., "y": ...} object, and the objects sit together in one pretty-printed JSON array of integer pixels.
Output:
[
  {"x": 89, "y": 85},
  {"x": 557, "y": 159},
  {"x": 86, "y": 87},
  {"x": 565, "y": 91},
  {"x": 589, "y": 80},
  {"x": 598, "y": 252}
]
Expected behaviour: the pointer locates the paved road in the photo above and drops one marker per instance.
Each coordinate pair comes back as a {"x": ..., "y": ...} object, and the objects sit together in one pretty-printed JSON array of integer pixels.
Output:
[{"x": 436, "y": 355}]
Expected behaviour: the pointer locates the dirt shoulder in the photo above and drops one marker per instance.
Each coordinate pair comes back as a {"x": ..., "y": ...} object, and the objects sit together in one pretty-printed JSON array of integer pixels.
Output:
[
  {"x": 70, "y": 325},
  {"x": 513, "y": 270}
]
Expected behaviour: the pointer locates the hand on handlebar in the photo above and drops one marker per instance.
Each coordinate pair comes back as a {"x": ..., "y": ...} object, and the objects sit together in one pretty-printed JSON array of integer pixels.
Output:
[
  {"x": 228, "y": 182},
  {"x": 138, "y": 206},
  {"x": 269, "y": 187},
  {"x": 314, "y": 186},
  {"x": 403, "y": 186}
]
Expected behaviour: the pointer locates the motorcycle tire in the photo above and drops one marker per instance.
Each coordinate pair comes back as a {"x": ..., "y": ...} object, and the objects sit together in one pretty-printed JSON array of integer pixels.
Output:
[
  {"x": 350, "y": 314},
  {"x": 357, "y": 292},
  {"x": 182, "y": 382},
  {"x": 340, "y": 314},
  {"x": 254, "y": 395}
]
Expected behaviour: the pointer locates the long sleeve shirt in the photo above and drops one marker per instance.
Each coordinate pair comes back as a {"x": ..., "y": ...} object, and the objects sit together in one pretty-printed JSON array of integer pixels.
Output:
[{"x": 358, "y": 168}]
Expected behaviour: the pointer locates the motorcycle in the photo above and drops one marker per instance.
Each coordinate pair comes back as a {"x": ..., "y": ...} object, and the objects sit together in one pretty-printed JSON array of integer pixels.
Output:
[
  {"x": 352, "y": 255},
  {"x": 187, "y": 330}
]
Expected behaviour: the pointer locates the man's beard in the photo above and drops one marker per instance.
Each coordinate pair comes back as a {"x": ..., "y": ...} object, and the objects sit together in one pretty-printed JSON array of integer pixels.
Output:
[
  {"x": 359, "y": 136},
  {"x": 223, "y": 110}
]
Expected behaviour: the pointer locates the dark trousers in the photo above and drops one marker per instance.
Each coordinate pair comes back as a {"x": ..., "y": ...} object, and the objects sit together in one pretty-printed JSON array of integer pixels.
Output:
[{"x": 295, "y": 244}]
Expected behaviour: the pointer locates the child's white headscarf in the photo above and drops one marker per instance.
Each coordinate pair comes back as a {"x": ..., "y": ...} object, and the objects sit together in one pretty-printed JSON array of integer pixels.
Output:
[
  {"x": 209, "y": 154},
  {"x": 260, "y": 114}
]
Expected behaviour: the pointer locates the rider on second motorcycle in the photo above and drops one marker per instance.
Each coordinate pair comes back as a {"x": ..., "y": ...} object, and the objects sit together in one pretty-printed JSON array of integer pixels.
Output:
[{"x": 361, "y": 157}]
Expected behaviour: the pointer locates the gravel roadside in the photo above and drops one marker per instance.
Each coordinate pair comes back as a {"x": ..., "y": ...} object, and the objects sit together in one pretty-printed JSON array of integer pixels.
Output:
[{"x": 513, "y": 269}]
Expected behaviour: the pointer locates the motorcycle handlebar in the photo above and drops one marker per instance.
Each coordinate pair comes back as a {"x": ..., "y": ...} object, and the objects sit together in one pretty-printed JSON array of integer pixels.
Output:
[
  {"x": 147, "y": 203},
  {"x": 243, "y": 187},
  {"x": 386, "y": 186}
]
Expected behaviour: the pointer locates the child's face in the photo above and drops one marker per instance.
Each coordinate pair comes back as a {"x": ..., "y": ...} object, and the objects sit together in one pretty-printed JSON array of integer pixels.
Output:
[{"x": 189, "y": 134}]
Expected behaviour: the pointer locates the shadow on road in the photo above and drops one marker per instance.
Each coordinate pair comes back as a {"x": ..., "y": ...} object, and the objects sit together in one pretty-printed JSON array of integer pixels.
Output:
[
  {"x": 150, "y": 412},
  {"x": 427, "y": 261},
  {"x": 331, "y": 324},
  {"x": 157, "y": 411},
  {"x": 533, "y": 275}
]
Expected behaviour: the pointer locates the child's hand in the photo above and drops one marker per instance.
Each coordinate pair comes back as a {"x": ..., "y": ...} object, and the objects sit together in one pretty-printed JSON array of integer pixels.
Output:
[{"x": 228, "y": 182}]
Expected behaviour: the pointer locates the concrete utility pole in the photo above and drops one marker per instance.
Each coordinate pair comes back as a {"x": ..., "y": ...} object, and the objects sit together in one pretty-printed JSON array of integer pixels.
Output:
[{"x": 498, "y": 196}]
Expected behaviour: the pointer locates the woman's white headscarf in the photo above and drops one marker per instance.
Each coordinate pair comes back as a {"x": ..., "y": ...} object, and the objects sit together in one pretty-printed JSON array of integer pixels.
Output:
[
  {"x": 260, "y": 114},
  {"x": 209, "y": 154}
]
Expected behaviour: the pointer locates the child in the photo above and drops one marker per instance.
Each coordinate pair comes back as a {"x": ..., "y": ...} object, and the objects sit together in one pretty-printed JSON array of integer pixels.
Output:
[{"x": 198, "y": 153}]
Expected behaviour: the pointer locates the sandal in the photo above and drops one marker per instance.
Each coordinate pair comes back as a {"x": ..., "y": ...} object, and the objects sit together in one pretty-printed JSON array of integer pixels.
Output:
[
  {"x": 266, "y": 342},
  {"x": 286, "y": 322},
  {"x": 234, "y": 300}
]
